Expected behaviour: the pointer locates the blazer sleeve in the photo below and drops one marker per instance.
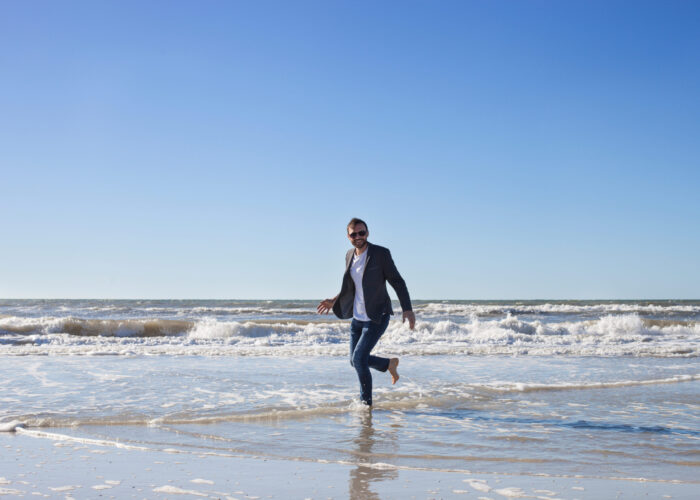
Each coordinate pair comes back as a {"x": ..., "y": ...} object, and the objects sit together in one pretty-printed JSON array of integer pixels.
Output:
[{"x": 396, "y": 281}]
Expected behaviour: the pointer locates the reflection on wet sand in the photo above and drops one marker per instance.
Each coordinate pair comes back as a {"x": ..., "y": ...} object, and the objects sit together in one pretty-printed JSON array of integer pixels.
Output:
[{"x": 362, "y": 476}]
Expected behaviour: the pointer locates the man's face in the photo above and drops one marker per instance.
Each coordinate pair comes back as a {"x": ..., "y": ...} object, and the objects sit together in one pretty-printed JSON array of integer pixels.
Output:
[{"x": 358, "y": 236}]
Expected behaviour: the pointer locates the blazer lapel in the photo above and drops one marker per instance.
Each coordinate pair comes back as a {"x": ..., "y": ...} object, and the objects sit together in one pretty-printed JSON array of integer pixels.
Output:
[
  {"x": 348, "y": 259},
  {"x": 351, "y": 253}
]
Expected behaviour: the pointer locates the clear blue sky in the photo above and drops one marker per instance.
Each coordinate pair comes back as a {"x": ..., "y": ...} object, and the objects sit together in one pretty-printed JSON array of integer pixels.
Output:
[{"x": 500, "y": 149}]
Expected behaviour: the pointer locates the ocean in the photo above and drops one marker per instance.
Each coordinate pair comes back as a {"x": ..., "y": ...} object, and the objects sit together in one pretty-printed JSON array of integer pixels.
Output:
[{"x": 502, "y": 397}]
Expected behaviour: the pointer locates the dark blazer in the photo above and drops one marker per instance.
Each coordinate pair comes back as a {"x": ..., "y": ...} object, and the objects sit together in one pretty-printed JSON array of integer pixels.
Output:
[{"x": 379, "y": 269}]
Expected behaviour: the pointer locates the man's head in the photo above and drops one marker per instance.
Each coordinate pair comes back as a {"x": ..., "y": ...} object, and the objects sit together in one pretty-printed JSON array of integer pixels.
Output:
[{"x": 358, "y": 233}]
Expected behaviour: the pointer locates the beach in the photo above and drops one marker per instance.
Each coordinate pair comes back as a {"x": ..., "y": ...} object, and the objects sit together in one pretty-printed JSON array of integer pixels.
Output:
[
  {"x": 257, "y": 399},
  {"x": 68, "y": 469}
]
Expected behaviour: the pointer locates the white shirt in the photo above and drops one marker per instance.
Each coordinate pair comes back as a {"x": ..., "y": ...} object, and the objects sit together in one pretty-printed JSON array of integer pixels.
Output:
[{"x": 357, "y": 270}]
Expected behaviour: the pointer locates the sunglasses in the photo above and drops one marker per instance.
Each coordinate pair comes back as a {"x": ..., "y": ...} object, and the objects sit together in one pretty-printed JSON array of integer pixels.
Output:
[{"x": 359, "y": 233}]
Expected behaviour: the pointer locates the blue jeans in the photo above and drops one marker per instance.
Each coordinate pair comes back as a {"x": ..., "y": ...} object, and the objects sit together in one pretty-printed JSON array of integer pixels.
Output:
[{"x": 364, "y": 335}]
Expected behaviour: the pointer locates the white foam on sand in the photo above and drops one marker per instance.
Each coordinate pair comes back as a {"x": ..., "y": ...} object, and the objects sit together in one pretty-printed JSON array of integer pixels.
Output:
[
  {"x": 510, "y": 492},
  {"x": 10, "y": 426},
  {"x": 478, "y": 484},
  {"x": 174, "y": 490},
  {"x": 64, "y": 437},
  {"x": 64, "y": 488},
  {"x": 201, "y": 481},
  {"x": 9, "y": 491}
]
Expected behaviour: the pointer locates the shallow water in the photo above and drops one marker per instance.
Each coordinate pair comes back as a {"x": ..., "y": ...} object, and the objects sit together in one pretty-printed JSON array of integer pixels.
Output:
[{"x": 595, "y": 417}]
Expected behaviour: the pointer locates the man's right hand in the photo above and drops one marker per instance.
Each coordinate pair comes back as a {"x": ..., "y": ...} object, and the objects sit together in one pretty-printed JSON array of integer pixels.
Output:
[{"x": 325, "y": 306}]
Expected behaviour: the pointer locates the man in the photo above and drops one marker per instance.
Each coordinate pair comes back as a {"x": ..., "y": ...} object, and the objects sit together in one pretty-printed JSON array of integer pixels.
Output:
[{"x": 364, "y": 298}]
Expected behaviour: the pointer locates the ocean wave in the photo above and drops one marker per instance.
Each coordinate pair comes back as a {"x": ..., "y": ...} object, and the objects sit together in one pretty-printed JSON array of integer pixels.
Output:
[
  {"x": 272, "y": 332},
  {"x": 433, "y": 309},
  {"x": 530, "y": 387},
  {"x": 314, "y": 402},
  {"x": 303, "y": 309},
  {"x": 612, "y": 328},
  {"x": 151, "y": 327},
  {"x": 608, "y": 335},
  {"x": 166, "y": 309}
]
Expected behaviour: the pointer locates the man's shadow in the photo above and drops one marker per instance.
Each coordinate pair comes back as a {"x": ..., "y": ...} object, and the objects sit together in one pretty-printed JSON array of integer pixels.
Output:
[{"x": 362, "y": 476}]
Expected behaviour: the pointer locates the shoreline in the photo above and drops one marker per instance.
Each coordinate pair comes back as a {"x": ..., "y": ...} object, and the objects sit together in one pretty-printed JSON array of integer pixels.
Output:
[{"x": 47, "y": 467}]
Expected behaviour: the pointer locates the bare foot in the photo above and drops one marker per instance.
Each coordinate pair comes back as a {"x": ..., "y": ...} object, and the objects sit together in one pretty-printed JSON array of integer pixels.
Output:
[{"x": 393, "y": 363}]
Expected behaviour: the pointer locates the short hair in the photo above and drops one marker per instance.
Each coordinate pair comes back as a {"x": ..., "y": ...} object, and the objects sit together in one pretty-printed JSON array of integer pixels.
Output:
[{"x": 354, "y": 221}]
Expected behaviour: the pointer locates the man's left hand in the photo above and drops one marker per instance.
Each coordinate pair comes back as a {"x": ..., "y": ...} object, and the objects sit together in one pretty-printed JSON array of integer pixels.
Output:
[{"x": 408, "y": 315}]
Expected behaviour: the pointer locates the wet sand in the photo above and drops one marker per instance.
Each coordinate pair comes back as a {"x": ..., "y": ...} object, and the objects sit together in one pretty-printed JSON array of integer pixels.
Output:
[{"x": 42, "y": 466}]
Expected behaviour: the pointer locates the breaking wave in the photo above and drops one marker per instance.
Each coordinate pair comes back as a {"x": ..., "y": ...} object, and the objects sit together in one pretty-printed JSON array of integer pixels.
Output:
[
  {"x": 94, "y": 327},
  {"x": 432, "y": 309},
  {"x": 627, "y": 334}
]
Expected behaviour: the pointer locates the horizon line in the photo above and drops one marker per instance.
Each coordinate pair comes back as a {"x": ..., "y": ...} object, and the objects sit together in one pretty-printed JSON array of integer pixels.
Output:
[{"x": 309, "y": 299}]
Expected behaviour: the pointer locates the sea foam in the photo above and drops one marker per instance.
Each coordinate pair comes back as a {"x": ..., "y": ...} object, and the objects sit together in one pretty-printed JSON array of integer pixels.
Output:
[{"x": 627, "y": 334}]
